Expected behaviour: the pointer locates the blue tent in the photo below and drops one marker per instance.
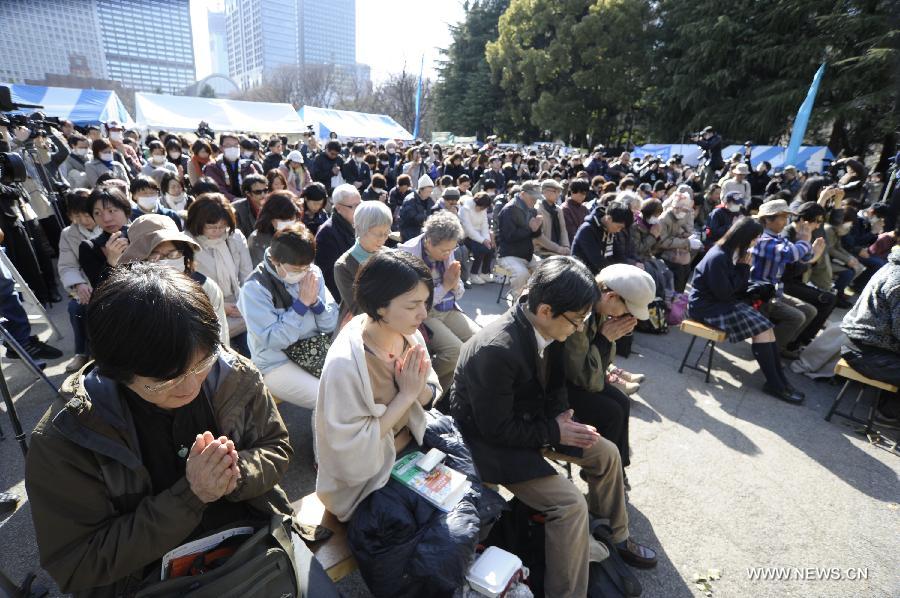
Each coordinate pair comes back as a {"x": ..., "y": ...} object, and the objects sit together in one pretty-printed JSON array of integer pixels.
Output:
[
  {"x": 810, "y": 158},
  {"x": 81, "y": 106},
  {"x": 350, "y": 125}
]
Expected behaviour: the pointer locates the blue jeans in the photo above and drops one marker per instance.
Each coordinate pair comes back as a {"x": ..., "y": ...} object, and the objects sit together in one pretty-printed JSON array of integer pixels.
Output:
[
  {"x": 842, "y": 279},
  {"x": 77, "y": 312},
  {"x": 10, "y": 308}
]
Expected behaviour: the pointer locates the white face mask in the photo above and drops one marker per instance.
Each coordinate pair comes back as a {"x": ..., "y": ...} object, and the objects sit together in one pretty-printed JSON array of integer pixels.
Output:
[
  {"x": 391, "y": 150},
  {"x": 733, "y": 207},
  {"x": 116, "y": 136},
  {"x": 232, "y": 153},
  {"x": 157, "y": 160},
  {"x": 80, "y": 151},
  {"x": 282, "y": 224},
  {"x": 175, "y": 155},
  {"x": 247, "y": 155},
  {"x": 176, "y": 264},
  {"x": 681, "y": 215},
  {"x": 289, "y": 277},
  {"x": 148, "y": 204},
  {"x": 653, "y": 220},
  {"x": 207, "y": 242},
  {"x": 357, "y": 160},
  {"x": 106, "y": 156}
]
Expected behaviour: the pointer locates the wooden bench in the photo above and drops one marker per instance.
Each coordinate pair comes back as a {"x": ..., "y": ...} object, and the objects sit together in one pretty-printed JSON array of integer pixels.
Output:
[
  {"x": 334, "y": 553},
  {"x": 700, "y": 330},
  {"x": 842, "y": 368}
]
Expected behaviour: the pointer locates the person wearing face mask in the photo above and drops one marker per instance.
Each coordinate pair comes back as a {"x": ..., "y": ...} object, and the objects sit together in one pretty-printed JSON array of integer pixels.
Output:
[
  {"x": 173, "y": 195},
  {"x": 723, "y": 215},
  {"x": 224, "y": 257},
  {"x": 103, "y": 162},
  {"x": 124, "y": 153},
  {"x": 154, "y": 238},
  {"x": 279, "y": 213},
  {"x": 145, "y": 193},
  {"x": 73, "y": 278},
  {"x": 844, "y": 265},
  {"x": 73, "y": 168},
  {"x": 250, "y": 150},
  {"x": 201, "y": 153},
  {"x": 230, "y": 169},
  {"x": 294, "y": 171},
  {"x": 158, "y": 164},
  {"x": 676, "y": 228},
  {"x": 355, "y": 171},
  {"x": 285, "y": 300},
  {"x": 175, "y": 155}
]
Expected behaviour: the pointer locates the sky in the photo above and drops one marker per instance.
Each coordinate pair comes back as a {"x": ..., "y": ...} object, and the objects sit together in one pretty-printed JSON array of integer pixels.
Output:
[{"x": 412, "y": 29}]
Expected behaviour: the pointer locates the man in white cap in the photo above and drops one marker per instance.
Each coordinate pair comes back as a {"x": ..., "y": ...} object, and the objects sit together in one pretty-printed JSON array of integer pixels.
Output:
[
  {"x": 625, "y": 291},
  {"x": 738, "y": 182},
  {"x": 771, "y": 254},
  {"x": 416, "y": 208}
]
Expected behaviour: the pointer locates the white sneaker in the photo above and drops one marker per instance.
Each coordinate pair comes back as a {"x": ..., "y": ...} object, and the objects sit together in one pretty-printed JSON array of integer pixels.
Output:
[{"x": 476, "y": 279}]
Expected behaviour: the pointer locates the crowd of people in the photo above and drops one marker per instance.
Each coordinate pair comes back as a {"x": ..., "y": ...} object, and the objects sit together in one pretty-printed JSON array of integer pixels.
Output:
[{"x": 207, "y": 278}]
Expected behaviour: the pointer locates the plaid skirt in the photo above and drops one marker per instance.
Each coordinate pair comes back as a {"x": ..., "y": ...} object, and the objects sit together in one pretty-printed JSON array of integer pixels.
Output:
[{"x": 740, "y": 323}]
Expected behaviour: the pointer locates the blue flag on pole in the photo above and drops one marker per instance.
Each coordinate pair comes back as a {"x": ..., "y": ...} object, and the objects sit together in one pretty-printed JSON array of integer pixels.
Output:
[
  {"x": 418, "y": 98},
  {"x": 802, "y": 119}
]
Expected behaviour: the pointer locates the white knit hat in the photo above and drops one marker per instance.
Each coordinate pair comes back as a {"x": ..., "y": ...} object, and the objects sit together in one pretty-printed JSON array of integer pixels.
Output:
[{"x": 424, "y": 181}]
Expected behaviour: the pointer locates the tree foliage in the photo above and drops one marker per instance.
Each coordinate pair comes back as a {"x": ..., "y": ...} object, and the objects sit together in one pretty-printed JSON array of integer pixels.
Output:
[
  {"x": 615, "y": 71},
  {"x": 467, "y": 97}
]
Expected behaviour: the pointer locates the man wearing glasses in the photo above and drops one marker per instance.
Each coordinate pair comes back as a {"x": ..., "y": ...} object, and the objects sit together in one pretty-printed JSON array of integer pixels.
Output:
[
  {"x": 510, "y": 401},
  {"x": 164, "y": 438},
  {"x": 336, "y": 235},
  {"x": 246, "y": 210}
]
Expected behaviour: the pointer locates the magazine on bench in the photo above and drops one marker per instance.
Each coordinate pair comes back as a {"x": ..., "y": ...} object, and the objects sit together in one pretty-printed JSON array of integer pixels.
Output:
[
  {"x": 443, "y": 487},
  {"x": 199, "y": 546}
]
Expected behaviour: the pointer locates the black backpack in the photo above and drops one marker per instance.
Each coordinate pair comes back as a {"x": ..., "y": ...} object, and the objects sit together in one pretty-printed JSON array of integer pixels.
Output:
[
  {"x": 520, "y": 531},
  {"x": 658, "y": 322}
]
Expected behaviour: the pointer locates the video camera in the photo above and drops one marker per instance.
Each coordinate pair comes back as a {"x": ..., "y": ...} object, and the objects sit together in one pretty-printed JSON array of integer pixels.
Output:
[{"x": 204, "y": 130}]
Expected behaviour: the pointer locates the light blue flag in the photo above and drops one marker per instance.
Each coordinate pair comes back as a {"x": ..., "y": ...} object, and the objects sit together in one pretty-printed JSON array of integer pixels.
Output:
[
  {"x": 418, "y": 98},
  {"x": 802, "y": 119}
]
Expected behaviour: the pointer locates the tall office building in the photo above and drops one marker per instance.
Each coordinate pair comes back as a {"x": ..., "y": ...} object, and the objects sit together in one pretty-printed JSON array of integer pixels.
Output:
[
  {"x": 328, "y": 32},
  {"x": 265, "y": 34},
  {"x": 43, "y": 37},
  {"x": 218, "y": 44},
  {"x": 148, "y": 44},
  {"x": 142, "y": 44}
]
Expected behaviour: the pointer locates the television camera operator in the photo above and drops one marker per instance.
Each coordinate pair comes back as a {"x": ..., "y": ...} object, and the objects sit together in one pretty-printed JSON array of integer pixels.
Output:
[
  {"x": 711, "y": 144},
  {"x": 23, "y": 177}
]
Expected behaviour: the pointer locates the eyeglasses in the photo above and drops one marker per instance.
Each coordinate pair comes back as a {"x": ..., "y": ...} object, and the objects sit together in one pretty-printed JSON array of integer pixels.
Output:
[
  {"x": 196, "y": 371},
  {"x": 580, "y": 323},
  {"x": 172, "y": 255},
  {"x": 351, "y": 208},
  {"x": 215, "y": 227},
  {"x": 257, "y": 191}
]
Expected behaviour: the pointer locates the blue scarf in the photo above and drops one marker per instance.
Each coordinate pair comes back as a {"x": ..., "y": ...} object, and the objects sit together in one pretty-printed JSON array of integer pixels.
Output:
[{"x": 360, "y": 254}]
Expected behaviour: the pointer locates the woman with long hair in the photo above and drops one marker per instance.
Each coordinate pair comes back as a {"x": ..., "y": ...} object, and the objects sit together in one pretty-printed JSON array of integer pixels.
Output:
[{"x": 721, "y": 278}]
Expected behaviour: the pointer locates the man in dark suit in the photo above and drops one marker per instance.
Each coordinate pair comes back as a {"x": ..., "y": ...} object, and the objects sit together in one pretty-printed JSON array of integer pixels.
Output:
[
  {"x": 355, "y": 171},
  {"x": 509, "y": 400}
]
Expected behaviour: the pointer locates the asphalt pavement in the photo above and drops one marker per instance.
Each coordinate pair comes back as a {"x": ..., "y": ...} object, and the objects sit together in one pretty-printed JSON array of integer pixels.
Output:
[{"x": 728, "y": 484}]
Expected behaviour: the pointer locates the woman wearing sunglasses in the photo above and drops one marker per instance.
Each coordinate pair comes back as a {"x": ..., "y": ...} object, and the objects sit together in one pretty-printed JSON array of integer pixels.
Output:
[{"x": 165, "y": 438}]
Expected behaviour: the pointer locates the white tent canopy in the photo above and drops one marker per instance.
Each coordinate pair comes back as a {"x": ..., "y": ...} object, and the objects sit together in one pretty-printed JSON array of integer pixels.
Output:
[
  {"x": 352, "y": 124},
  {"x": 81, "y": 106},
  {"x": 184, "y": 113}
]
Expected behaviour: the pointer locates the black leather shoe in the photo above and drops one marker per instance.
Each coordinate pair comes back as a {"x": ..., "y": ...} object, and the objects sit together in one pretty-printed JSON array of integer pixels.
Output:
[
  {"x": 785, "y": 395},
  {"x": 636, "y": 555},
  {"x": 794, "y": 391}
]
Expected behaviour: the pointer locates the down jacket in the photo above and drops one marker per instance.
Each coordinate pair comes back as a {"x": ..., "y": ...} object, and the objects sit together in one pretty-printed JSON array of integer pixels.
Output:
[{"x": 404, "y": 546}]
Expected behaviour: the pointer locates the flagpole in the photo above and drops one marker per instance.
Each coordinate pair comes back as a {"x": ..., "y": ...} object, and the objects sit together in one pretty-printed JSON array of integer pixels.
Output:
[{"x": 418, "y": 98}]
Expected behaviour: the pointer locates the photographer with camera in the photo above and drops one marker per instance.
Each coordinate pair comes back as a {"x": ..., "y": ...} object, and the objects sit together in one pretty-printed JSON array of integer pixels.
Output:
[{"x": 711, "y": 144}]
